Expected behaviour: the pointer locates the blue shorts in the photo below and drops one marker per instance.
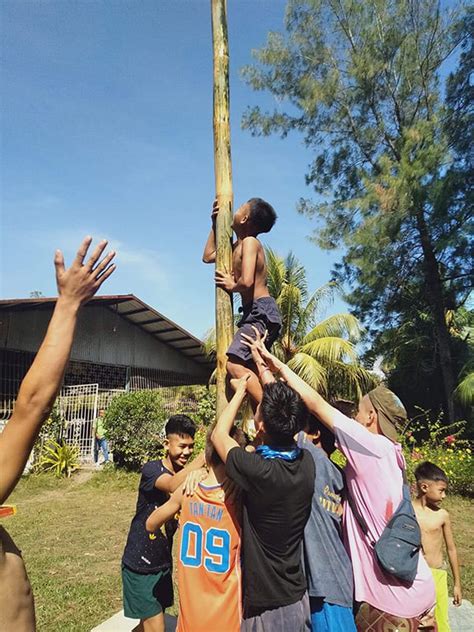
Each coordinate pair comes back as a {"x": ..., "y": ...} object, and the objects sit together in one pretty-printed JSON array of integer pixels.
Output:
[{"x": 329, "y": 617}]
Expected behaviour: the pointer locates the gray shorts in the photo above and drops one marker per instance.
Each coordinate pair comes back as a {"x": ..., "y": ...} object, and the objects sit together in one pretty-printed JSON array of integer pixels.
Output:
[
  {"x": 263, "y": 314},
  {"x": 293, "y": 618}
]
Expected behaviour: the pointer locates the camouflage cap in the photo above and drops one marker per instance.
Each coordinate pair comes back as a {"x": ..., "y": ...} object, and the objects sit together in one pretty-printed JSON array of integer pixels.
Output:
[{"x": 391, "y": 412}]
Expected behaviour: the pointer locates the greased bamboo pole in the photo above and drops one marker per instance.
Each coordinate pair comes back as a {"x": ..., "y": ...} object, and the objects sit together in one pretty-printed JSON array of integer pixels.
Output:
[{"x": 223, "y": 179}]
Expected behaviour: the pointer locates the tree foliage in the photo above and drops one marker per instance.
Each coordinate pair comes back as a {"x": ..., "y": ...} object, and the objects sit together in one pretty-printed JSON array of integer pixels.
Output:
[
  {"x": 360, "y": 81},
  {"x": 322, "y": 352}
]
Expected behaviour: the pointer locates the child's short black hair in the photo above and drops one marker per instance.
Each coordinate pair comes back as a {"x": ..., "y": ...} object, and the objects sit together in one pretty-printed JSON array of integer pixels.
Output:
[
  {"x": 211, "y": 455},
  {"x": 326, "y": 437},
  {"x": 181, "y": 425},
  {"x": 262, "y": 215},
  {"x": 283, "y": 412},
  {"x": 428, "y": 471}
]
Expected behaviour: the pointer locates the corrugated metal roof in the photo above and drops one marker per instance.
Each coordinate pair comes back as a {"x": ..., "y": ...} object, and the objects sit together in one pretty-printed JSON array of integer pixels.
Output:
[{"x": 139, "y": 313}]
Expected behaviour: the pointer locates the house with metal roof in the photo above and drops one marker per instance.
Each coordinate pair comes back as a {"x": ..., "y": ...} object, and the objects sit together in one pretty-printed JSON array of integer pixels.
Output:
[{"x": 121, "y": 344}]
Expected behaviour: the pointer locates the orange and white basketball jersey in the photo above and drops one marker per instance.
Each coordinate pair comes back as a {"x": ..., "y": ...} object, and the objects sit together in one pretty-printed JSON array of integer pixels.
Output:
[{"x": 209, "y": 577}]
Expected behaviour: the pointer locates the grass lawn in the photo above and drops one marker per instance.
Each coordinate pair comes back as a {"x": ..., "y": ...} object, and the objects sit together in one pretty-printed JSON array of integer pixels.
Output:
[{"x": 72, "y": 534}]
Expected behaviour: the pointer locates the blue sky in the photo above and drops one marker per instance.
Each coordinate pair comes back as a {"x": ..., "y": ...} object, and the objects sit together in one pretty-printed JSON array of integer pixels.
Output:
[{"x": 107, "y": 130}]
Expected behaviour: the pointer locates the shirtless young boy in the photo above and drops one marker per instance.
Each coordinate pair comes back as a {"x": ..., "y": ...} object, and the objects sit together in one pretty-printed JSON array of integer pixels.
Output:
[
  {"x": 435, "y": 527},
  {"x": 249, "y": 279},
  {"x": 36, "y": 396}
]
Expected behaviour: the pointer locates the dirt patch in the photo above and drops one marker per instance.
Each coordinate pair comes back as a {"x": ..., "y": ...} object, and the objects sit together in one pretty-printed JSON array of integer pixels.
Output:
[{"x": 65, "y": 486}]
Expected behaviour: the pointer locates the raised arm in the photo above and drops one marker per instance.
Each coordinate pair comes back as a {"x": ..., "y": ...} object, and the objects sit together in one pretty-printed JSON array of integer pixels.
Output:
[
  {"x": 41, "y": 384},
  {"x": 265, "y": 375},
  {"x": 167, "y": 483},
  {"x": 314, "y": 402},
  {"x": 165, "y": 512},
  {"x": 220, "y": 437},
  {"x": 209, "y": 254}
]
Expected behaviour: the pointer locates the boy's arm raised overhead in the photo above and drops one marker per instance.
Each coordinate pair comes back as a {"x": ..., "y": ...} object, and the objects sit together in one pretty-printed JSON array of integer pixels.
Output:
[
  {"x": 164, "y": 513},
  {"x": 76, "y": 285},
  {"x": 453, "y": 559},
  {"x": 313, "y": 400},
  {"x": 209, "y": 254},
  {"x": 220, "y": 436}
]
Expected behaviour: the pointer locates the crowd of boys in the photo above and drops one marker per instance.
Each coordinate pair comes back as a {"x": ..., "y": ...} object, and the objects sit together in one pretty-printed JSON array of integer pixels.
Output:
[
  {"x": 284, "y": 548},
  {"x": 303, "y": 566}
]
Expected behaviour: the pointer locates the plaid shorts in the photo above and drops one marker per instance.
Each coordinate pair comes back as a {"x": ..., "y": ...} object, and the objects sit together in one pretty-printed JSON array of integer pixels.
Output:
[{"x": 371, "y": 619}]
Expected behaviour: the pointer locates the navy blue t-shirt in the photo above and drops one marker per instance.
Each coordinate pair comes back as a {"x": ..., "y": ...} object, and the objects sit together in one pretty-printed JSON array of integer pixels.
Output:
[
  {"x": 327, "y": 565},
  {"x": 149, "y": 552}
]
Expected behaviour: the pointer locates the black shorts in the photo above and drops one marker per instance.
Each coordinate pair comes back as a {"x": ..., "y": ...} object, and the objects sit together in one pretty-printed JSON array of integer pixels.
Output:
[{"x": 263, "y": 314}]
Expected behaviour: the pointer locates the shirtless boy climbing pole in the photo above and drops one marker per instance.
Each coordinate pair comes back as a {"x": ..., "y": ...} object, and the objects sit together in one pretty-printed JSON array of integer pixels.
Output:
[{"x": 249, "y": 278}]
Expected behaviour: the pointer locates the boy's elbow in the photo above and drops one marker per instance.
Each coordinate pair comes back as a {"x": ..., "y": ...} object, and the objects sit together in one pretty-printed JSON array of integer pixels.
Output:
[
  {"x": 215, "y": 436},
  {"x": 209, "y": 258},
  {"x": 149, "y": 526}
]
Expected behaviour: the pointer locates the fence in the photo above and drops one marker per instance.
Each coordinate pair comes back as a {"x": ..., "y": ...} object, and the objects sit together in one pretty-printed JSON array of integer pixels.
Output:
[
  {"x": 78, "y": 409},
  {"x": 89, "y": 387}
]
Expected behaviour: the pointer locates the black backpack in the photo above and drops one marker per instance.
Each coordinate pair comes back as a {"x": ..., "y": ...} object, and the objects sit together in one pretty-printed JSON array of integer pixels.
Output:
[{"x": 398, "y": 548}]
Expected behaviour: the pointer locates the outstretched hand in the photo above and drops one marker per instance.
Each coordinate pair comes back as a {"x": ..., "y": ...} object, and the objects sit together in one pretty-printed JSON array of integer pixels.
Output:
[
  {"x": 259, "y": 351},
  {"x": 192, "y": 481},
  {"x": 256, "y": 345},
  {"x": 240, "y": 384},
  {"x": 81, "y": 281}
]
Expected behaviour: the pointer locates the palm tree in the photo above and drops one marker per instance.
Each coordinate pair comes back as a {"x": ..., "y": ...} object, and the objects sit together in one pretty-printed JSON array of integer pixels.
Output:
[{"x": 322, "y": 353}]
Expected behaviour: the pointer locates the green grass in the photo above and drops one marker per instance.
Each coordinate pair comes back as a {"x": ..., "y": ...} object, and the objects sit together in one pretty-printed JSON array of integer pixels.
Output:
[
  {"x": 461, "y": 511},
  {"x": 72, "y": 533}
]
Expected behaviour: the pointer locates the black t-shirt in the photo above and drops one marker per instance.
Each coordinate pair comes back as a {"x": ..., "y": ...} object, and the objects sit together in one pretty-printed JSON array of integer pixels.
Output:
[
  {"x": 149, "y": 552},
  {"x": 276, "y": 505}
]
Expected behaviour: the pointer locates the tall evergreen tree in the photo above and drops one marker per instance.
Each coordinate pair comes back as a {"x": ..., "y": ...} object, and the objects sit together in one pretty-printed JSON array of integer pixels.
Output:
[{"x": 360, "y": 81}]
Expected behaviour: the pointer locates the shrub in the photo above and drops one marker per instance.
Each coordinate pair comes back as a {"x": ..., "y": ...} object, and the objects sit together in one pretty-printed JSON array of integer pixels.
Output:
[
  {"x": 431, "y": 440},
  {"x": 135, "y": 427},
  {"x": 206, "y": 406},
  {"x": 60, "y": 458},
  {"x": 426, "y": 439}
]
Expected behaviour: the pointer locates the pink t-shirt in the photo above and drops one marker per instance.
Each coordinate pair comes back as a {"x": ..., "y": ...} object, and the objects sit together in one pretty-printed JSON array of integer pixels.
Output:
[{"x": 374, "y": 480}]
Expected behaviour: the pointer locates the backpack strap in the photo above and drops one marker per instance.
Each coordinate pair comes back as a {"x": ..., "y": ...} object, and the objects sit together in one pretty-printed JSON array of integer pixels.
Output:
[{"x": 361, "y": 521}]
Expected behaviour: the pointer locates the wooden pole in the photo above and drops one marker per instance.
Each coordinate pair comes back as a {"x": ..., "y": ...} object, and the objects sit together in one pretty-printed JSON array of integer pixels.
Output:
[{"x": 223, "y": 178}]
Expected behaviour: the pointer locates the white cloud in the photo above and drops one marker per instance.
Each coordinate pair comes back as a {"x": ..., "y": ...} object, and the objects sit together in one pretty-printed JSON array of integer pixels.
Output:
[{"x": 141, "y": 264}]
